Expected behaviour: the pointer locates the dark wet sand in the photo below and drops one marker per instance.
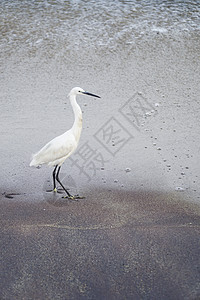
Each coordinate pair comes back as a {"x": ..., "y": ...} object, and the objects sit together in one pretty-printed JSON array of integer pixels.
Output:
[{"x": 114, "y": 245}]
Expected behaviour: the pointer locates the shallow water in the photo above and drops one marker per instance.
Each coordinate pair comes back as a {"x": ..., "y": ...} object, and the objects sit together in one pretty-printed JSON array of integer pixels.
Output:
[
  {"x": 120, "y": 50},
  {"x": 58, "y": 28}
]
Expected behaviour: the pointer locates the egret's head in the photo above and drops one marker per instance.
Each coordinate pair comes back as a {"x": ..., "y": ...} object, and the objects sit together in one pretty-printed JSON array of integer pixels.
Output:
[{"x": 79, "y": 91}]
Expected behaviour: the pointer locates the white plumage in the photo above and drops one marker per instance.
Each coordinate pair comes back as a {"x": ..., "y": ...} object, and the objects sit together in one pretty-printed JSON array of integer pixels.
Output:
[
  {"x": 56, "y": 151},
  {"x": 61, "y": 147}
]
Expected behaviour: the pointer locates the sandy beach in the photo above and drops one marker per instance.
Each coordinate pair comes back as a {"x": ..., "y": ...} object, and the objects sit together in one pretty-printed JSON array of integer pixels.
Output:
[{"x": 135, "y": 235}]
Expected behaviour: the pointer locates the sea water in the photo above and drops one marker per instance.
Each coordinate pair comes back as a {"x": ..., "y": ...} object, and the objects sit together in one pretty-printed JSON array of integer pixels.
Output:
[{"x": 54, "y": 28}]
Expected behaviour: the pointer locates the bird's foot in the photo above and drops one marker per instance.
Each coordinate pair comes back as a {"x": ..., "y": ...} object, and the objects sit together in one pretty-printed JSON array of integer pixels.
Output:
[
  {"x": 59, "y": 191},
  {"x": 55, "y": 190},
  {"x": 75, "y": 197},
  {"x": 50, "y": 191}
]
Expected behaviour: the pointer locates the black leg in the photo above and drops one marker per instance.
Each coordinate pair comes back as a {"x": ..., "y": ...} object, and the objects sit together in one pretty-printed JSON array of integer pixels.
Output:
[
  {"x": 54, "y": 178},
  {"x": 57, "y": 178}
]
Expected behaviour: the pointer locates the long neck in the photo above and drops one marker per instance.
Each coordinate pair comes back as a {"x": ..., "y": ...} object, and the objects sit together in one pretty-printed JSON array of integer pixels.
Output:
[{"x": 77, "y": 126}]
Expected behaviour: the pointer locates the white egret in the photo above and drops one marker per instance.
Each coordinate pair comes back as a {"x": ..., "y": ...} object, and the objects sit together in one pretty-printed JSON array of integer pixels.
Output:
[{"x": 61, "y": 147}]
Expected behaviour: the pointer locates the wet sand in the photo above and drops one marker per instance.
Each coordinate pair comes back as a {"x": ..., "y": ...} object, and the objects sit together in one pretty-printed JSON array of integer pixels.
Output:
[
  {"x": 111, "y": 245},
  {"x": 136, "y": 233}
]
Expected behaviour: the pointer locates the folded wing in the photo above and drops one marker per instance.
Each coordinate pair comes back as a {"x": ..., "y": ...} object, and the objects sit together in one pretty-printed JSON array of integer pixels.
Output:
[{"x": 56, "y": 151}]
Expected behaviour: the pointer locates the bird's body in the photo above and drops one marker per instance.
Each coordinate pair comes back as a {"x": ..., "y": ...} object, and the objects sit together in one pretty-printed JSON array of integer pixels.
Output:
[
  {"x": 56, "y": 151},
  {"x": 61, "y": 147}
]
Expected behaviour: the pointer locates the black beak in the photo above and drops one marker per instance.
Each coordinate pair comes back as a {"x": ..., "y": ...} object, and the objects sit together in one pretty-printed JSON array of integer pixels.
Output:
[{"x": 89, "y": 94}]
